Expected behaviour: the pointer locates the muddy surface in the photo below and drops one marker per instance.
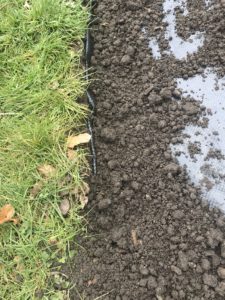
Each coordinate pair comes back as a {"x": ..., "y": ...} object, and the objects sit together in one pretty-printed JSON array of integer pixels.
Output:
[{"x": 152, "y": 234}]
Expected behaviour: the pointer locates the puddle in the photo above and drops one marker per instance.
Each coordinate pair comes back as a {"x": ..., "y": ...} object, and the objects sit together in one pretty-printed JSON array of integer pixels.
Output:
[
  {"x": 178, "y": 47},
  {"x": 203, "y": 149}
]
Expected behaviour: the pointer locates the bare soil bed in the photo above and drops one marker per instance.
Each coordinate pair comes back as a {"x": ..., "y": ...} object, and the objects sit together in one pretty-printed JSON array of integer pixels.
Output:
[{"x": 151, "y": 235}]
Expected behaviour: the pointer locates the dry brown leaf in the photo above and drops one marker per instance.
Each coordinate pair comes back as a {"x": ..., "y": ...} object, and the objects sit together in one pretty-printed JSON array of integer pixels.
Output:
[
  {"x": 6, "y": 214},
  {"x": 71, "y": 154},
  {"x": 75, "y": 140},
  {"x": 83, "y": 200},
  {"x": 36, "y": 189},
  {"x": 46, "y": 170}
]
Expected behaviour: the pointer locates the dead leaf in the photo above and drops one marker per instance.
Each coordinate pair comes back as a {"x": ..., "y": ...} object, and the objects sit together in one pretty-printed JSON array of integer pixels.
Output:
[
  {"x": 46, "y": 170},
  {"x": 71, "y": 154},
  {"x": 83, "y": 200},
  {"x": 36, "y": 189},
  {"x": 6, "y": 214},
  {"x": 75, "y": 140}
]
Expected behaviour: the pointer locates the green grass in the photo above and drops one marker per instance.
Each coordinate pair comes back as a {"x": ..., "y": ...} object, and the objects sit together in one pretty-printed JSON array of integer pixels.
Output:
[{"x": 41, "y": 80}]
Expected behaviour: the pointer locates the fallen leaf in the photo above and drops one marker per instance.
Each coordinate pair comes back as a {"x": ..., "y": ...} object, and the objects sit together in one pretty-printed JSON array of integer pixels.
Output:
[
  {"x": 75, "y": 140},
  {"x": 6, "y": 214},
  {"x": 83, "y": 200},
  {"x": 64, "y": 207},
  {"x": 47, "y": 170},
  {"x": 36, "y": 189},
  {"x": 71, "y": 154}
]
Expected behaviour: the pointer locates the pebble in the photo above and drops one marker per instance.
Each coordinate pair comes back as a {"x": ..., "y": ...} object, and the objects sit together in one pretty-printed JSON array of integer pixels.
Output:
[
  {"x": 152, "y": 283},
  {"x": 178, "y": 214},
  {"x": 64, "y": 207},
  {"x": 220, "y": 289},
  {"x": 223, "y": 249},
  {"x": 205, "y": 264},
  {"x": 176, "y": 94},
  {"x": 172, "y": 168},
  {"x": 176, "y": 270},
  {"x": 144, "y": 271},
  {"x": 210, "y": 280},
  {"x": 126, "y": 59},
  {"x": 104, "y": 204},
  {"x": 221, "y": 272}
]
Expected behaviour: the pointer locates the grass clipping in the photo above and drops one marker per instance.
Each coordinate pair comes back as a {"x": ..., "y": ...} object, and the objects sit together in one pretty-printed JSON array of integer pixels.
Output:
[{"x": 41, "y": 78}]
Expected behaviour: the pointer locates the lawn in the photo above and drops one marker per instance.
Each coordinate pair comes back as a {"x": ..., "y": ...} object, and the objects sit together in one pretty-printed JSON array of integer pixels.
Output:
[{"x": 41, "y": 80}]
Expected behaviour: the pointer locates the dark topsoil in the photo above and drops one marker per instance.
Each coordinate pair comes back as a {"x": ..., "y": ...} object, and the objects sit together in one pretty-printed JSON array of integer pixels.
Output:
[{"x": 152, "y": 236}]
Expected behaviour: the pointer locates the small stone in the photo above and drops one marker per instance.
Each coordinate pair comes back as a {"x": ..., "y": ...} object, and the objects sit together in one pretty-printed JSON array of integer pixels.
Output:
[
  {"x": 210, "y": 280},
  {"x": 223, "y": 249},
  {"x": 144, "y": 271},
  {"x": 220, "y": 289},
  {"x": 130, "y": 50},
  {"x": 176, "y": 270},
  {"x": 152, "y": 283},
  {"x": 183, "y": 261},
  {"x": 176, "y": 93},
  {"x": 112, "y": 164},
  {"x": 64, "y": 207},
  {"x": 143, "y": 282},
  {"x": 190, "y": 108},
  {"x": 205, "y": 264},
  {"x": 172, "y": 168},
  {"x": 104, "y": 204},
  {"x": 154, "y": 99},
  {"x": 221, "y": 272},
  {"x": 162, "y": 124},
  {"x": 108, "y": 135},
  {"x": 135, "y": 185},
  {"x": 178, "y": 214},
  {"x": 126, "y": 59},
  {"x": 166, "y": 94}
]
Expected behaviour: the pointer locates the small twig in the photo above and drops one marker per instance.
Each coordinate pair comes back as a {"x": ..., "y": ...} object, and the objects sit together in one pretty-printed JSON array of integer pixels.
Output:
[
  {"x": 134, "y": 238},
  {"x": 100, "y": 297},
  {"x": 7, "y": 114}
]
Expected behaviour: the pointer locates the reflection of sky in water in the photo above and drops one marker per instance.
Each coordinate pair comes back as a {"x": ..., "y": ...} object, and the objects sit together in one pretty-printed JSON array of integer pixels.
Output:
[
  {"x": 209, "y": 173},
  {"x": 179, "y": 47}
]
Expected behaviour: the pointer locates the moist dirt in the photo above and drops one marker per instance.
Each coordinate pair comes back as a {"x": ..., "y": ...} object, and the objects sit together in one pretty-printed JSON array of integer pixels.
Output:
[{"x": 151, "y": 235}]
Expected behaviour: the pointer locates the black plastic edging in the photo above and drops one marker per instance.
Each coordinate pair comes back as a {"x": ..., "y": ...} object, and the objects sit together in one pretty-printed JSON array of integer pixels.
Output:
[{"x": 88, "y": 46}]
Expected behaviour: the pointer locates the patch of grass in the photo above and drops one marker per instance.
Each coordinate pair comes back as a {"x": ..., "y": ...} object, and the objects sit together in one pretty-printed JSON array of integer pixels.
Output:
[{"x": 41, "y": 79}]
